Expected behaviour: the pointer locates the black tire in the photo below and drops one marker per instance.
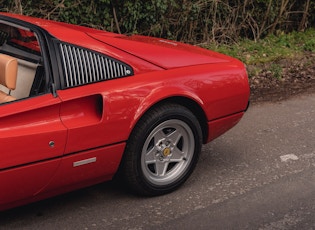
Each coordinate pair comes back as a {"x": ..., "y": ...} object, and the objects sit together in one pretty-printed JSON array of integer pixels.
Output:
[{"x": 162, "y": 150}]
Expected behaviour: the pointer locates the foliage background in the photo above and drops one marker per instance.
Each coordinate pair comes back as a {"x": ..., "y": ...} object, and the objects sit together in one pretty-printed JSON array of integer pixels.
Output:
[{"x": 195, "y": 21}]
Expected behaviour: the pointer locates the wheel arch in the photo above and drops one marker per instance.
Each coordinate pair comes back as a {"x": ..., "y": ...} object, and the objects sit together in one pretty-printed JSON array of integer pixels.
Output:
[{"x": 190, "y": 104}]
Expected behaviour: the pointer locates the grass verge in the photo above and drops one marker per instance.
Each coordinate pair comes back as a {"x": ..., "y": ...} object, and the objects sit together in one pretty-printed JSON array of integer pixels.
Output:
[{"x": 270, "y": 49}]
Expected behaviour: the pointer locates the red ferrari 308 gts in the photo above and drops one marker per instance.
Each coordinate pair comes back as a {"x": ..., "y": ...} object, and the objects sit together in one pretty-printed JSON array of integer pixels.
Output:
[{"x": 79, "y": 105}]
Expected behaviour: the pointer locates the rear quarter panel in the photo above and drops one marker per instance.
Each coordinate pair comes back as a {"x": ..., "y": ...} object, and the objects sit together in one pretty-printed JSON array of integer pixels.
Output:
[{"x": 220, "y": 90}]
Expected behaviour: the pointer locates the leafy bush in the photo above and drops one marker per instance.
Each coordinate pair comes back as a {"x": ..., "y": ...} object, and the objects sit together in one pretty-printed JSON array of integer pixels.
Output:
[{"x": 195, "y": 21}]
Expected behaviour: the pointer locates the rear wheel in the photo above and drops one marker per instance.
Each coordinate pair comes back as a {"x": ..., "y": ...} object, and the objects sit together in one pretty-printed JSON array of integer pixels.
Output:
[{"x": 163, "y": 150}]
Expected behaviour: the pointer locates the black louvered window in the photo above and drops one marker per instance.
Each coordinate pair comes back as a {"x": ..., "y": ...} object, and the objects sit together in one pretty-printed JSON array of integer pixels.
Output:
[{"x": 82, "y": 66}]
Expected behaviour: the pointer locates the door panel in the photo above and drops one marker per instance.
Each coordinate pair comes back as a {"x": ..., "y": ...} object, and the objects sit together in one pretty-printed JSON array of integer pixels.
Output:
[
  {"x": 32, "y": 140},
  {"x": 31, "y": 131}
]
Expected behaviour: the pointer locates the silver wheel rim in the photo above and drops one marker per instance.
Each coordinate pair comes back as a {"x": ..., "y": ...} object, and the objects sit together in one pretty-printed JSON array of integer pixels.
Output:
[{"x": 167, "y": 152}]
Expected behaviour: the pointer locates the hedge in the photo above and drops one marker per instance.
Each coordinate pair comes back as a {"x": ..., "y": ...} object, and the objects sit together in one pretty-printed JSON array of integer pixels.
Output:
[{"x": 196, "y": 21}]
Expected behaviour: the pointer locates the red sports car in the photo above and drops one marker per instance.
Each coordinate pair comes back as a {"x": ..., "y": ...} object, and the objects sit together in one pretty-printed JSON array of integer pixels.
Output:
[{"x": 79, "y": 105}]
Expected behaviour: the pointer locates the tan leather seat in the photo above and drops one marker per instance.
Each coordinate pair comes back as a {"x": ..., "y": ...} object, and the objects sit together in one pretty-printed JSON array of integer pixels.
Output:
[{"x": 8, "y": 75}]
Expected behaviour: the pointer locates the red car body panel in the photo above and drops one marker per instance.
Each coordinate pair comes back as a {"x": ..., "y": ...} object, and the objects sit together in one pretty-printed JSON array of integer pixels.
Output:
[
  {"x": 54, "y": 143},
  {"x": 23, "y": 123},
  {"x": 167, "y": 54}
]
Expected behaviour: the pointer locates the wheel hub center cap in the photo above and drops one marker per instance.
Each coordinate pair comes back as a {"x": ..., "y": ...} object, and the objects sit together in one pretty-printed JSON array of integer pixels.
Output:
[{"x": 166, "y": 152}]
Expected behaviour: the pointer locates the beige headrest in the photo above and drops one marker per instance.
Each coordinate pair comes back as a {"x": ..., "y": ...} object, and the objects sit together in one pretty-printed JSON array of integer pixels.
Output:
[{"x": 8, "y": 71}]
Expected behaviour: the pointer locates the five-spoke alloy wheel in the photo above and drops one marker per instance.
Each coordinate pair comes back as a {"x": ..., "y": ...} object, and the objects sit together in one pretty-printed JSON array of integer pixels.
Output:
[{"x": 162, "y": 150}]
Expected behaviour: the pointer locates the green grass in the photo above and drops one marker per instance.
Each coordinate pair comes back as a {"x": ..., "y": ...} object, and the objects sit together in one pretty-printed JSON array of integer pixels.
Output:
[{"x": 271, "y": 48}]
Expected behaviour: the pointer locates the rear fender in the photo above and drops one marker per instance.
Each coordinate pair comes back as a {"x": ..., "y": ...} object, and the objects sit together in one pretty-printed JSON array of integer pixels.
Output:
[{"x": 159, "y": 95}]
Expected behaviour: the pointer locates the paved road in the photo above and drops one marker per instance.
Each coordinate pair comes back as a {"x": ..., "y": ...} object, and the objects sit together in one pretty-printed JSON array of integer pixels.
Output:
[{"x": 260, "y": 175}]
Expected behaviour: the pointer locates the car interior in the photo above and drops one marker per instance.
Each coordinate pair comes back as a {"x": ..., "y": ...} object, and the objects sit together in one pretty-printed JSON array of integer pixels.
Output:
[{"x": 21, "y": 69}]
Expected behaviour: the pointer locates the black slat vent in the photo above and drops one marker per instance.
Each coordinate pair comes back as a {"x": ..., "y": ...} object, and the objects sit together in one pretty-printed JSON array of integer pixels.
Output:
[{"x": 82, "y": 66}]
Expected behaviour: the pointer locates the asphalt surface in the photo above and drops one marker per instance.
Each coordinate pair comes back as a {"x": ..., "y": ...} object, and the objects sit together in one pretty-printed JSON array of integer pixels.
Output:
[{"x": 259, "y": 175}]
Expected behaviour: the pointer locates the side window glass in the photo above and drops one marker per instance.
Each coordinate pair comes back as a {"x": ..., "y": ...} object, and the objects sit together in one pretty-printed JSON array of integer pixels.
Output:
[{"x": 21, "y": 69}]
